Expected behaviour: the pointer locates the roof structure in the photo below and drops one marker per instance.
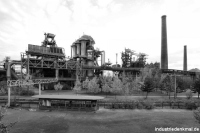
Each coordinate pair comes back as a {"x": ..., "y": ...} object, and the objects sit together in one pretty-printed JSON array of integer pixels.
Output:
[
  {"x": 87, "y": 37},
  {"x": 68, "y": 97}
]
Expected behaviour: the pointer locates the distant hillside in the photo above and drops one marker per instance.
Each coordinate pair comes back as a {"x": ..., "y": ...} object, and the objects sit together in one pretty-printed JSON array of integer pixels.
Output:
[{"x": 194, "y": 70}]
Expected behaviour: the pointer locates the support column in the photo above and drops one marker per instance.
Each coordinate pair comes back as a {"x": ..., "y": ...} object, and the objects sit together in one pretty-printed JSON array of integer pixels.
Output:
[
  {"x": 8, "y": 74},
  {"x": 42, "y": 62},
  {"x": 21, "y": 67},
  {"x": 39, "y": 89},
  {"x": 8, "y": 96},
  {"x": 28, "y": 73},
  {"x": 57, "y": 73}
]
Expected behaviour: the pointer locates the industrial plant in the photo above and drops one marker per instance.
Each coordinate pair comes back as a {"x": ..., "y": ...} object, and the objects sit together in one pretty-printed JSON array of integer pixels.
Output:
[{"x": 47, "y": 64}]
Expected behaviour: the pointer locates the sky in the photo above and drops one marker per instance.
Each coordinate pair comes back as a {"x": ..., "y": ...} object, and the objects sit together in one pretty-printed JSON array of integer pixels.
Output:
[{"x": 113, "y": 24}]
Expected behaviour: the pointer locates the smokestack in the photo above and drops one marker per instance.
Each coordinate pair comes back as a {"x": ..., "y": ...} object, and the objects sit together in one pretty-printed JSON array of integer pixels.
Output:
[
  {"x": 185, "y": 59},
  {"x": 164, "y": 53}
]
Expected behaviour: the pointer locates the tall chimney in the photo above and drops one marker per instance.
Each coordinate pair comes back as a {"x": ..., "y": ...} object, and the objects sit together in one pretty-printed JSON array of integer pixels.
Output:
[
  {"x": 185, "y": 58},
  {"x": 164, "y": 53}
]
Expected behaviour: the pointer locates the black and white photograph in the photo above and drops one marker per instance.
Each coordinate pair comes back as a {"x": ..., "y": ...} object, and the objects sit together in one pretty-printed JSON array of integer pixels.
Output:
[{"x": 99, "y": 66}]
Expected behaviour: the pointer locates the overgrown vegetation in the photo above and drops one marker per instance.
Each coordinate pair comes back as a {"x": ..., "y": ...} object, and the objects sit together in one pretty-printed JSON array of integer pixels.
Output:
[
  {"x": 148, "y": 80},
  {"x": 78, "y": 86},
  {"x": 16, "y": 90},
  {"x": 5, "y": 128},
  {"x": 197, "y": 115},
  {"x": 197, "y": 86}
]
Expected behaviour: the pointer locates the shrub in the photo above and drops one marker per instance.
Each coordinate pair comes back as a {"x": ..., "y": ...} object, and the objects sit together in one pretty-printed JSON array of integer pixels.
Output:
[
  {"x": 191, "y": 105},
  {"x": 197, "y": 115},
  {"x": 145, "y": 105},
  {"x": 148, "y": 105},
  {"x": 78, "y": 86},
  {"x": 26, "y": 92},
  {"x": 188, "y": 94},
  {"x": 93, "y": 86},
  {"x": 3, "y": 87},
  {"x": 5, "y": 128}
]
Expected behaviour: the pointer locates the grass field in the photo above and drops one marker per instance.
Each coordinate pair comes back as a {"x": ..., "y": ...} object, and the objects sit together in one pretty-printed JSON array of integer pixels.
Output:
[{"x": 103, "y": 121}]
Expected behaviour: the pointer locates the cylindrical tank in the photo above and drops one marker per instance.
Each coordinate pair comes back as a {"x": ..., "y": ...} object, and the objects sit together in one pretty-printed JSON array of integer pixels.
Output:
[
  {"x": 78, "y": 45},
  {"x": 102, "y": 58},
  {"x": 73, "y": 50},
  {"x": 83, "y": 47}
]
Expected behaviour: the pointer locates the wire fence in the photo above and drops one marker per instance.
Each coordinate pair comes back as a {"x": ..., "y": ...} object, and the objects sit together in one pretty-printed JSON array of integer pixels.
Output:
[{"x": 116, "y": 105}]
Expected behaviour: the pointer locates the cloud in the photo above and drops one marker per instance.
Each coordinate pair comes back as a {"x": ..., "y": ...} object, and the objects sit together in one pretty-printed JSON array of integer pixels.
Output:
[{"x": 114, "y": 25}]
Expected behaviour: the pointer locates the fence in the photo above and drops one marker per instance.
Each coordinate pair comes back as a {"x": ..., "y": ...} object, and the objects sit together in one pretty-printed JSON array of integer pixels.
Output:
[
  {"x": 149, "y": 105},
  {"x": 116, "y": 105}
]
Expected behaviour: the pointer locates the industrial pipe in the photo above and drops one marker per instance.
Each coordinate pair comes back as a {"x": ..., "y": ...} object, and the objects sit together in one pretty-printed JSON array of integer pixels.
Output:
[
  {"x": 8, "y": 75},
  {"x": 102, "y": 58},
  {"x": 111, "y": 68}
]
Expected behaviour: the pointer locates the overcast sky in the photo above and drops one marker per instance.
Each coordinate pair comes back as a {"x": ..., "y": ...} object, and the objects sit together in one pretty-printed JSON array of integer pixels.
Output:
[{"x": 113, "y": 24}]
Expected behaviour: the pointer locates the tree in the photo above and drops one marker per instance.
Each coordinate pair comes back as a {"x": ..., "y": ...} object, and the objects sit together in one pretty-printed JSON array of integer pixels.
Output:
[
  {"x": 58, "y": 87},
  {"x": 106, "y": 88},
  {"x": 117, "y": 86},
  {"x": 126, "y": 57},
  {"x": 167, "y": 84},
  {"x": 126, "y": 88},
  {"x": 148, "y": 85},
  {"x": 77, "y": 86},
  {"x": 197, "y": 86},
  {"x": 93, "y": 86},
  {"x": 188, "y": 94},
  {"x": 85, "y": 83}
]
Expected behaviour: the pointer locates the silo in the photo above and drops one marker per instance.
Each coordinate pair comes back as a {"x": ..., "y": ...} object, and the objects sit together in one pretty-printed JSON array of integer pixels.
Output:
[
  {"x": 164, "y": 53},
  {"x": 73, "y": 50},
  {"x": 83, "y": 47},
  {"x": 78, "y": 45}
]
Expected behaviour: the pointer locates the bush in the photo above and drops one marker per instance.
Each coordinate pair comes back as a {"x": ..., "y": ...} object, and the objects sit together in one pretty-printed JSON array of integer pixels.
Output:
[
  {"x": 26, "y": 92},
  {"x": 188, "y": 94},
  {"x": 191, "y": 105},
  {"x": 3, "y": 87},
  {"x": 197, "y": 115},
  {"x": 4, "y": 127},
  {"x": 145, "y": 105}
]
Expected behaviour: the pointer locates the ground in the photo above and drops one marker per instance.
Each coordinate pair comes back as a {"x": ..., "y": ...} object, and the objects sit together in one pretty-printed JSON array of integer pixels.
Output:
[{"x": 103, "y": 121}]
